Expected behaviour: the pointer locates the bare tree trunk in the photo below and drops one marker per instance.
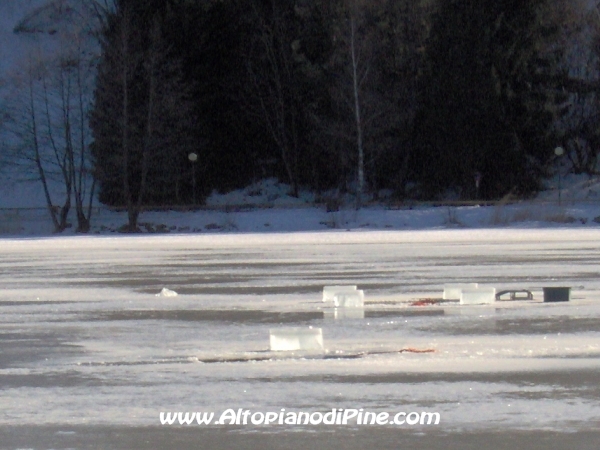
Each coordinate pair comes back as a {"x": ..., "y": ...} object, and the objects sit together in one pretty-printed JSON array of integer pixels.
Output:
[
  {"x": 150, "y": 113},
  {"x": 69, "y": 161},
  {"x": 357, "y": 115},
  {"x": 79, "y": 171},
  {"x": 132, "y": 211},
  {"x": 37, "y": 156},
  {"x": 62, "y": 156}
]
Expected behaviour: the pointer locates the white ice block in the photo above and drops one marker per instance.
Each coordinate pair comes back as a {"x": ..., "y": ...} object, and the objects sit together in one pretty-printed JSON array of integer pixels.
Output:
[
  {"x": 452, "y": 291},
  {"x": 479, "y": 296},
  {"x": 290, "y": 339},
  {"x": 330, "y": 291},
  {"x": 354, "y": 299},
  {"x": 165, "y": 292}
]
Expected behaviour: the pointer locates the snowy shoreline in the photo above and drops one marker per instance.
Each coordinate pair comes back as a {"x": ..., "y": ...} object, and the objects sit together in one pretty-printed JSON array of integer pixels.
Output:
[
  {"x": 267, "y": 207},
  {"x": 36, "y": 221}
]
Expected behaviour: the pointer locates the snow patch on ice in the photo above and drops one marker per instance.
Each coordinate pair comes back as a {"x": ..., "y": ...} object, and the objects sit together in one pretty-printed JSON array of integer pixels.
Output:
[{"x": 166, "y": 292}]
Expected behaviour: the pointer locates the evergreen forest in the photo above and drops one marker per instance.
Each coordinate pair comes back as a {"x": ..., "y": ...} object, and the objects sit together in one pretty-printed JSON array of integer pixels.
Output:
[{"x": 427, "y": 99}]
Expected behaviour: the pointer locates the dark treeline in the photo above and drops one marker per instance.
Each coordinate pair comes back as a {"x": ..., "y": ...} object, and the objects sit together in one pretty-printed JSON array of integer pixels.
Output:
[{"x": 420, "y": 97}]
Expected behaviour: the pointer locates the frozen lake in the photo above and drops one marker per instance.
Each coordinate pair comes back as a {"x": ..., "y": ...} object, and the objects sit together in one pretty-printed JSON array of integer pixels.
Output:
[{"x": 89, "y": 354}]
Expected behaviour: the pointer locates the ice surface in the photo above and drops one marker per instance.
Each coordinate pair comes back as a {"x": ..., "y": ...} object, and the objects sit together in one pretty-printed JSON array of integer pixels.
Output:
[
  {"x": 296, "y": 338},
  {"x": 479, "y": 296},
  {"x": 453, "y": 291},
  {"x": 345, "y": 313},
  {"x": 85, "y": 339},
  {"x": 329, "y": 292},
  {"x": 350, "y": 299},
  {"x": 480, "y": 311}
]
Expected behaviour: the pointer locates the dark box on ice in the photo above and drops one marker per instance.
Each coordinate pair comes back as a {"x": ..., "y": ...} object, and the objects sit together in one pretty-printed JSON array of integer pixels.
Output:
[{"x": 557, "y": 294}]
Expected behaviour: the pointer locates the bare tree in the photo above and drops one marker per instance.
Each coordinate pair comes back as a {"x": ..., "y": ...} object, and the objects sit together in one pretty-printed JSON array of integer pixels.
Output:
[
  {"x": 372, "y": 73},
  {"x": 142, "y": 114},
  {"x": 76, "y": 76},
  {"x": 50, "y": 129},
  {"x": 352, "y": 70},
  {"x": 32, "y": 128},
  {"x": 272, "y": 96},
  {"x": 357, "y": 80}
]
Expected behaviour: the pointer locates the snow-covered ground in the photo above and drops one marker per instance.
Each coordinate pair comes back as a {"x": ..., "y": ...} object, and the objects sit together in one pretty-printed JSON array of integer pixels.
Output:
[
  {"x": 87, "y": 342},
  {"x": 267, "y": 207}
]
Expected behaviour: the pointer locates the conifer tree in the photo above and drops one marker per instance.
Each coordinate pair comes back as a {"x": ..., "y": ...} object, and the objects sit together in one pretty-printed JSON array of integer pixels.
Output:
[{"x": 488, "y": 98}]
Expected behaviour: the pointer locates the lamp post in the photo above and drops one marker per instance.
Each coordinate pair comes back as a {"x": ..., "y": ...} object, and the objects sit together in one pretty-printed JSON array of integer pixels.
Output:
[
  {"x": 559, "y": 151},
  {"x": 193, "y": 157}
]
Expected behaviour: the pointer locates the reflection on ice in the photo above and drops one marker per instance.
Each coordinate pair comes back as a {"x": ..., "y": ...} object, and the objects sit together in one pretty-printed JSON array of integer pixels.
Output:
[
  {"x": 475, "y": 310},
  {"x": 345, "y": 313},
  {"x": 329, "y": 292},
  {"x": 296, "y": 338},
  {"x": 355, "y": 299}
]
